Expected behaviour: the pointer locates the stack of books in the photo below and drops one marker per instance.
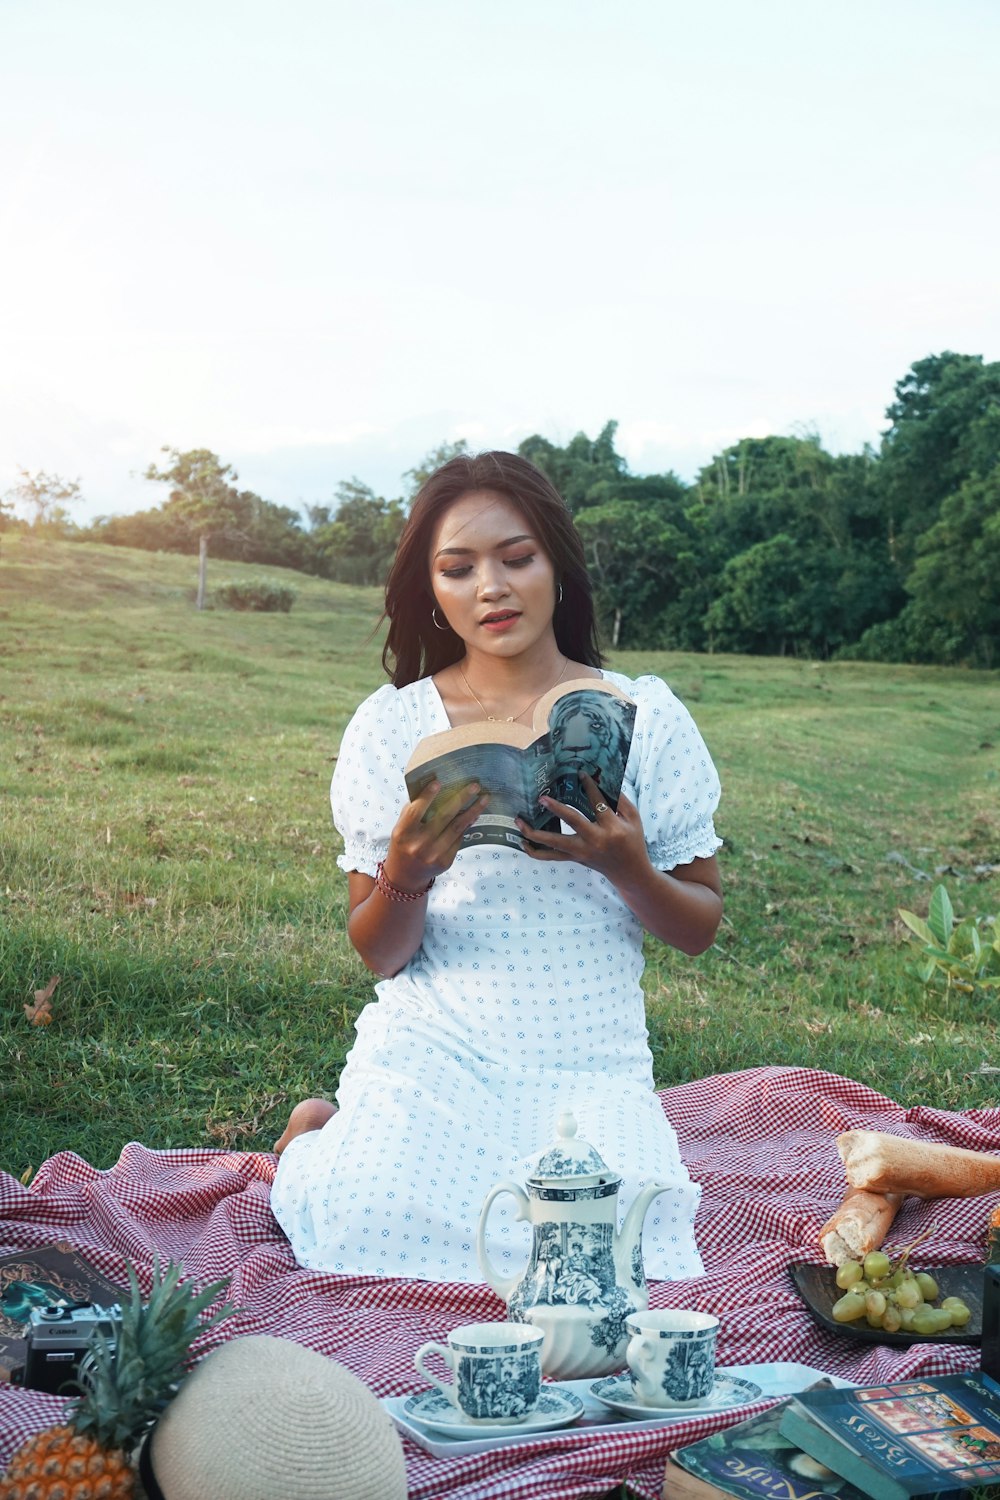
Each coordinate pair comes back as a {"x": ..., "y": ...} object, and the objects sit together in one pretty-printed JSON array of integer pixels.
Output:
[
  {"x": 931, "y": 1436},
  {"x": 752, "y": 1461}
]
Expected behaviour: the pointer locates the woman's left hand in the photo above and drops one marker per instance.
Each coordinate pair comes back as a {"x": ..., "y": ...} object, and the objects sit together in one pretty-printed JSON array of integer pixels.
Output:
[{"x": 612, "y": 844}]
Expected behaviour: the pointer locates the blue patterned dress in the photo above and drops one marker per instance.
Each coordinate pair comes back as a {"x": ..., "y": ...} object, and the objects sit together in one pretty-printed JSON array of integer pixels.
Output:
[{"x": 523, "y": 999}]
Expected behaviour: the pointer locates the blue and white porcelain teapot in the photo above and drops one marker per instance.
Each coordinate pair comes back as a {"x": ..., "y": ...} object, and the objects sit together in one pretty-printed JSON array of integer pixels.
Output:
[{"x": 584, "y": 1275}]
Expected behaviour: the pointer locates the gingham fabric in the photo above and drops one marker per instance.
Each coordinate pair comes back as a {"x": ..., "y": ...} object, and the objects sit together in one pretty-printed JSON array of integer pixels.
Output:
[{"x": 761, "y": 1143}]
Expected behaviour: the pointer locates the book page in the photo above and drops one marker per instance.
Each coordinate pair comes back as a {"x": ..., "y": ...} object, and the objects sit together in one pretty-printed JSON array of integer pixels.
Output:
[{"x": 510, "y": 776}]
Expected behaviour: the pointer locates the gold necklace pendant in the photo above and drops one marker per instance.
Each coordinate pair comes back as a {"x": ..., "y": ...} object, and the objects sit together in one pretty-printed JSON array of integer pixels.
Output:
[{"x": 511, "y": 718}]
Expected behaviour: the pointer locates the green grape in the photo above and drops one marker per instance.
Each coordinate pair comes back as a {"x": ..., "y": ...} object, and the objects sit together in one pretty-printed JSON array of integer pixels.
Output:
[
  {"x": 875, "y": 1305},
  {"x": 895, "y": 1299},
  {"x": 848, "y": 1308},
  {"x": 848, "y": 1274},
  {"x": 924, "y": 1320},
  {"x": 876, "y": 1265},
  {"x": 892, "y": 1318},
  {"x": 908, "y": 1293},
  {"x": 960, "y": 1313}
]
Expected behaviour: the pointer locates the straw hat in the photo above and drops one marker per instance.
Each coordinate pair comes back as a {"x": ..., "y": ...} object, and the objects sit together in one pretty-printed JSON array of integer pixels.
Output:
[{"x": 262, "y": 1417}]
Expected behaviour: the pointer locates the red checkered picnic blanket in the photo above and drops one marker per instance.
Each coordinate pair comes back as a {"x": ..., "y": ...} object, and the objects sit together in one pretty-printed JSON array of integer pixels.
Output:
[{"x": 760, "y": 1142}]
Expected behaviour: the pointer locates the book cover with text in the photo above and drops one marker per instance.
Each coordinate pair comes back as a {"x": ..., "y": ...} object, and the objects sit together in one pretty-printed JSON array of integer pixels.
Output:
[
  {"x": 752, "y": 1461},
  {"x": 48, "y": 1276},
  {"x": 926, "y": 1436}
]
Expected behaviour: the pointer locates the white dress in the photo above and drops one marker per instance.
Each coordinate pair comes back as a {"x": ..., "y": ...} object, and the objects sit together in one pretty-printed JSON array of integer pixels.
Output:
[{"x": 522, "y": 1000}]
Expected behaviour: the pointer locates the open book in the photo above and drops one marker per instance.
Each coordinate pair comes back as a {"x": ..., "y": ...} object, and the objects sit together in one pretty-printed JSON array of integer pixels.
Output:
[{"x": 581, "y": 726}]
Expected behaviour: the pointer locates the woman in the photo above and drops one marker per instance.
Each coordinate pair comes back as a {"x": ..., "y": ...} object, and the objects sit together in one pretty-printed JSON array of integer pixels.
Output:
[{"x": 510, "y": 980}]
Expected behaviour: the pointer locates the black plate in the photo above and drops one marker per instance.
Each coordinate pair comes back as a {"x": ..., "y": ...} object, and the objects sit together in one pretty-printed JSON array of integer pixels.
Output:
[{"x": 817, "y": 1286}]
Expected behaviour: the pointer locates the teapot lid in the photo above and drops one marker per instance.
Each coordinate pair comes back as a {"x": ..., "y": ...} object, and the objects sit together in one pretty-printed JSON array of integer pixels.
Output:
[{"x": 570, "y": 1159}]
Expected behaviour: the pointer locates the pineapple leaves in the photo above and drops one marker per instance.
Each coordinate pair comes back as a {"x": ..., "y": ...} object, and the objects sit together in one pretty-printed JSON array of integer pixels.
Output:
[{"x": 126, "y": 1382}]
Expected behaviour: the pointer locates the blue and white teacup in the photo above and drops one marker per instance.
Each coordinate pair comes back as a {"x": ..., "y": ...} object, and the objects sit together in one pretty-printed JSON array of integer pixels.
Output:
[
  {"x": 671, "y": 1355},
  {"x": 497, "y": 1369}
]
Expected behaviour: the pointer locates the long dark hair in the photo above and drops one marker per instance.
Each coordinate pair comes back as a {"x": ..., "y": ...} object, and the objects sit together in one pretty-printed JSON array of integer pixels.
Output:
[{"x": 415, "y": 647}]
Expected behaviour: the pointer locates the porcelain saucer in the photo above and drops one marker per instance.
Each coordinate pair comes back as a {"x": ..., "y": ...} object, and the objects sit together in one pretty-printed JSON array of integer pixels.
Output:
[
  {"x": 556, "y": 1408},
  {"x": 728, "y": 1391}
]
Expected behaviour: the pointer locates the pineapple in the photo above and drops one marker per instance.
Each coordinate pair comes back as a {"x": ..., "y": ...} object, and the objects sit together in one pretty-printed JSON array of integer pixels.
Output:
[{"x": 123, "y": 1391}]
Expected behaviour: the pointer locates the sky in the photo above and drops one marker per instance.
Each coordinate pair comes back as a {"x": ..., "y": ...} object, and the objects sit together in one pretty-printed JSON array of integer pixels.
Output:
[{"x": 321, "y": 239}]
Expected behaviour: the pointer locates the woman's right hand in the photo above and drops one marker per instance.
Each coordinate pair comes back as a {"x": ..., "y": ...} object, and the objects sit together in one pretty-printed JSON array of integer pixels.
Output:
[
  {"x": 428, "y": 833},
  {"x": 388, "y": 929}
]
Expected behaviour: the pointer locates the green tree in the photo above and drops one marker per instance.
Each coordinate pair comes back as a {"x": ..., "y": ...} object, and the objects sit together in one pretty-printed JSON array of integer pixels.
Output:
[
  {"x": 945, "y": 428},
  {"x": 272, "y": 534},
  {"x": 317, "y": 516},
  {"x": 587, "y": 471},
  {"x": 828, "y": 509},
  {"x": 204, "y": 500},
  {"x": 634, "y": 555},
  {"x": 45, "y": 498},
  {"x": 357, "y": 546},
  {"x": 757, "y": 608},
  {"x": 956, "y": 577},
  {"x": 430, "y": 463}
]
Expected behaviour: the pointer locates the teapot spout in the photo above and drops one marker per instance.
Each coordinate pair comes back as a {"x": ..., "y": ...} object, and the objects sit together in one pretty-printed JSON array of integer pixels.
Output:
[{"x": 628, "y": 1240}]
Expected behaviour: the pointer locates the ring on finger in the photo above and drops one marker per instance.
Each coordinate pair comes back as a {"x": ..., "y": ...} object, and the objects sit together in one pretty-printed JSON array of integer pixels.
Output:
[{"x": 601, "y": 807}]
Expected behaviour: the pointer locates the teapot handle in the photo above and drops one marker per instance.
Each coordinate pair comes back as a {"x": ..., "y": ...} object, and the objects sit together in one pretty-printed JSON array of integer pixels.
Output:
[{"x": 503, "y": 1286}]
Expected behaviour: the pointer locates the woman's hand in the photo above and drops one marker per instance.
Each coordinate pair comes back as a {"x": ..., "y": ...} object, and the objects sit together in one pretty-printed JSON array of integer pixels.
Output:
[
  {"x": 682, "y": 907},
  {"x": 428, "y": 834},
  {"x": 387, "y": 930},
  {"x": 612, "y": 844}
]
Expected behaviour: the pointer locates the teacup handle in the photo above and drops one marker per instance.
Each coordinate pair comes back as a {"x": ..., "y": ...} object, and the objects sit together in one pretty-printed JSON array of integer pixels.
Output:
[
  {"x": 451, "y": 1389},
  {"x": 639, "y": 1349}
]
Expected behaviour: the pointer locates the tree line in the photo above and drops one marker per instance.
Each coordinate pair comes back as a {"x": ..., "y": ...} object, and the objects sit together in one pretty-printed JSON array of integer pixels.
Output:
[{"x": 776, "y": 547}]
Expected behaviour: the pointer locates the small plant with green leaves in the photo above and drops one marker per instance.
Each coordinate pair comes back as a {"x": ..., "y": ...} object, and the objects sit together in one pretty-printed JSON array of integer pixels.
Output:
[
  {"x": 256, "y": 594},
  {"x": 964, "y": 955}
]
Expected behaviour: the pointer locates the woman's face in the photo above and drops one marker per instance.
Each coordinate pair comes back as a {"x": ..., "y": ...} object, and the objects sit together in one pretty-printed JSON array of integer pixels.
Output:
[{"x": 492, "y": 579}]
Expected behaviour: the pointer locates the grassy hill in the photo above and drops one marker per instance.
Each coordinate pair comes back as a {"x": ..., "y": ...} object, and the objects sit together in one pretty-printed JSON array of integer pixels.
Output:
[{"x": 166, "y": 849}]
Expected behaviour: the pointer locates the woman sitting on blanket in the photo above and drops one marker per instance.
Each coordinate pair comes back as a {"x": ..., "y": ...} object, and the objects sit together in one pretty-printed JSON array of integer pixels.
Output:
[{"x": 511, "y": 980}]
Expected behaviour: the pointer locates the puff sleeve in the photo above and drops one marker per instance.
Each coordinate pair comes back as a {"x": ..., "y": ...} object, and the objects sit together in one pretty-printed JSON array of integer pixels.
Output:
[
  {"x": 368, "y": 790},
  {"x": 674, "y": 782}
]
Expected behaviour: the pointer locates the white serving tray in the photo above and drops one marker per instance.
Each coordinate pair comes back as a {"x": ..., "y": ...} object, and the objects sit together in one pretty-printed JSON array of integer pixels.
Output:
[{"x": 781, "y": 1378}]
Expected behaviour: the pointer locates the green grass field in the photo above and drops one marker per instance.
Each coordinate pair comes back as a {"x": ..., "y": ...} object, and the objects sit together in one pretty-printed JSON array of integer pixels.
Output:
[{"x": 166, "y": 849}]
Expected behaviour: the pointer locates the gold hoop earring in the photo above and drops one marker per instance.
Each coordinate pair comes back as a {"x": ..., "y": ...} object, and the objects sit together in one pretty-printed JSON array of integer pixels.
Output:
[{"x": 434, "y": 617}]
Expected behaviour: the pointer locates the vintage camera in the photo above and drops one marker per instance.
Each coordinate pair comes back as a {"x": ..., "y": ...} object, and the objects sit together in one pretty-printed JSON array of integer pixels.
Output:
[{"x": 58, "y": 1340}]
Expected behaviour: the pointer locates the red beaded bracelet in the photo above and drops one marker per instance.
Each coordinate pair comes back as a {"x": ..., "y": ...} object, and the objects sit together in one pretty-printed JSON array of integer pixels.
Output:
[{"x": 392, "y": 892}]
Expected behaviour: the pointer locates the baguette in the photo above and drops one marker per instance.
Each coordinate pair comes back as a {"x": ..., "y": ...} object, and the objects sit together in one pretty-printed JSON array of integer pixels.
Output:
[
  {"x": 860, "y": 1224},
  {"x": 878, "y": 1163}
]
